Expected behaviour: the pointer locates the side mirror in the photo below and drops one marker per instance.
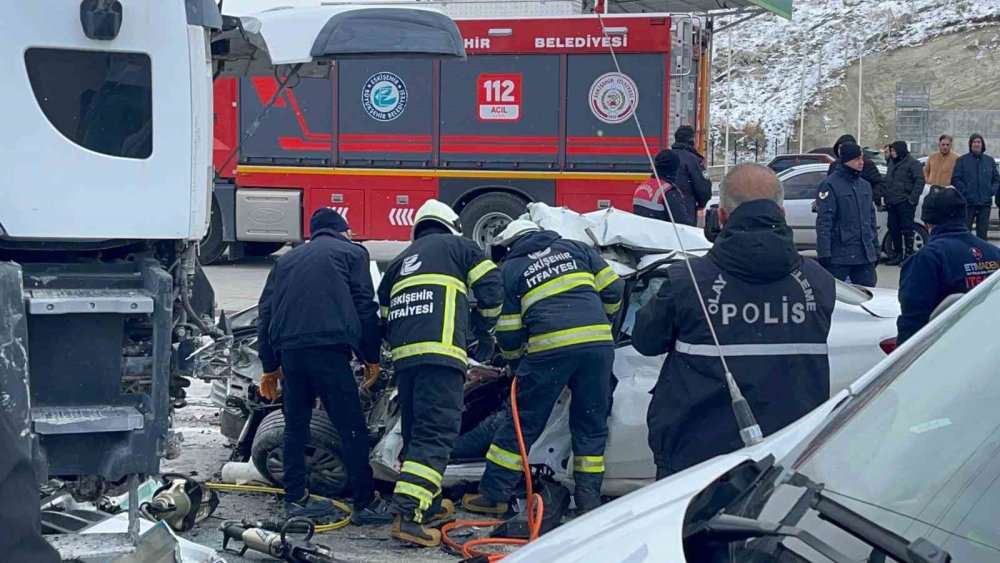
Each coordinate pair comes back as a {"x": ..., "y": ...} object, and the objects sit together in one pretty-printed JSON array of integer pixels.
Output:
[{"x": 712, "y": 224}]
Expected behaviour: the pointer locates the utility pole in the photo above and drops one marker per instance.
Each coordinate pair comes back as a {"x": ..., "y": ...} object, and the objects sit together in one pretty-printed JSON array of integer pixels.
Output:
[
  {"x": 802, "y": 102},
  {"x": 729, "y": 98},
  {"x": 861, "y": 59}
]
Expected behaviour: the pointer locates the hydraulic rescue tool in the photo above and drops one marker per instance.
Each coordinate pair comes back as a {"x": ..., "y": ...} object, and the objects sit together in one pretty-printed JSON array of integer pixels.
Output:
[{"x": 280, "y": 543}]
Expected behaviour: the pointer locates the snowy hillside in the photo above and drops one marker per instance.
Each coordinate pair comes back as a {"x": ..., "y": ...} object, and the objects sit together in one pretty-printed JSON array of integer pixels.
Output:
[{"x": 768, "y": 53}]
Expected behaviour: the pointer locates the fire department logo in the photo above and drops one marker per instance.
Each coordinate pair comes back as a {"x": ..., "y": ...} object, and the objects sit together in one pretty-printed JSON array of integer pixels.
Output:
[
  {"x": 976, "y": 253},
  {"x": 384, "y": 96},
  {"x": 613, "y": 97}
]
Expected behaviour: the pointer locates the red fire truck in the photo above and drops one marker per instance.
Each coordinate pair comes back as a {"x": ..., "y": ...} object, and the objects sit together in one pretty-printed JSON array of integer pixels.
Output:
[{"x": 538, "y": 112}]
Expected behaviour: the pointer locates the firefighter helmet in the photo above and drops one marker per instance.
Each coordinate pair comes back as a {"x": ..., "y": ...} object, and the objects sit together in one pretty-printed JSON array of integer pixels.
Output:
[
  {"x": 434, "y": 210},
  {"x": 515, "y": 230}
]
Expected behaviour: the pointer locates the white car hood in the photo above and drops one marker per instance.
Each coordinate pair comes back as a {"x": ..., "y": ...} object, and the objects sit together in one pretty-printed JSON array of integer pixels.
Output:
[
  {"x": 647, "y": 525},
  {"x": 315, "y": 36}
]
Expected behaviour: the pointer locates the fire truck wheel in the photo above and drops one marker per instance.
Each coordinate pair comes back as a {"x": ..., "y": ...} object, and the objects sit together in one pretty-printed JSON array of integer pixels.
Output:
[
  {"x": 212, "y": 247},
  {"x": 327, "y": 475},
  {"x": 262, "y": 248},
  {"x": 486, "y": 215}
]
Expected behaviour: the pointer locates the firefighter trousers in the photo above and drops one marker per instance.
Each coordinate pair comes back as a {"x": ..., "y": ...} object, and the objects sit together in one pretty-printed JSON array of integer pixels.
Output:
[
  {"x": 430, "y": 401},
  {"x": 587, "y": 373}
]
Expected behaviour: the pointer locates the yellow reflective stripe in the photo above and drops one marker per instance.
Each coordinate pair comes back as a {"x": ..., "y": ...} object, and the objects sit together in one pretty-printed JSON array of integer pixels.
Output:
[
  {"x": 491, "y": 313},
  {"x": 611, "y": 308},
  {"x": 428, "y": 279},
  {"x": 422, "y": 471},
  {"x": 423, "y": 496},
  {"x": 419, "y": 348},
  {"x": 509, "y": 323},
  {"x": 589, "y": 464},
  {"x": 555, "y": 287},
  {"x": 604, "y": 278},
  {"x": 481, "y": 270},
  {"x": 503, "y": 458},
  {"x": 569, "y": 337},
  {"x": 384, "y": 311},
  {"x": 512, "y": 354},
  {"x": 448, "y": 332}
]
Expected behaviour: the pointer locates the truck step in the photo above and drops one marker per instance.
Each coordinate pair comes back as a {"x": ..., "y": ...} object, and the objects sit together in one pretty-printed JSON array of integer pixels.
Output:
[
  {"x": 85, "y": 420},
  {"x": 76, "y": 301}
]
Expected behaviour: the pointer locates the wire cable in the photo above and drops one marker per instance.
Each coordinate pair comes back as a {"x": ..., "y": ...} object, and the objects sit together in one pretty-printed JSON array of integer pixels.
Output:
[{"x": 277, "y": 491}]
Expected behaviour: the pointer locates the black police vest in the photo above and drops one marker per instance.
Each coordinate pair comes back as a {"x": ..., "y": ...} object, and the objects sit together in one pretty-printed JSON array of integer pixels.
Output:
[{"x": 774, "y": 339}]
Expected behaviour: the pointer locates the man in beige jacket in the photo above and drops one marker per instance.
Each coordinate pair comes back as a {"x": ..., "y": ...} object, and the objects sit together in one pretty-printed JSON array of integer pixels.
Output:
[{"x": 940, "y": 165}]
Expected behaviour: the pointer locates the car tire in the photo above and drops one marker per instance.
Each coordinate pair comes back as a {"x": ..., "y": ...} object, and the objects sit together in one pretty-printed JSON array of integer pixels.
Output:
[
  {"x": 920, "y": 238},
  {"x": 260, "y": 249},
  {"x": 325, "y": 469},
  {"x": 212, "y": 247},
  {"x": 486, "y": 215}
]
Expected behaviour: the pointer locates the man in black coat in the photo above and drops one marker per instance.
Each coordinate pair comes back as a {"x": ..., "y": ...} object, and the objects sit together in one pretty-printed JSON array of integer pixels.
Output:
[
  {"x": 771, "y": 310},
  {"x": 691, "y": 177},
  {"x": 976, "y": 176},
  {"x": 903, "y": 187},
  {"x": 317, "y": 308},
  {"x": 869, "y": 172}
]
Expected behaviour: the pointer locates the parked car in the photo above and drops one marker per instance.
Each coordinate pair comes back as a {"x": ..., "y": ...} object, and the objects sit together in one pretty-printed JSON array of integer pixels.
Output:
[
  {"x": 783, "y": 162},
  {"x": 863, "y": 332},
  {"x": 901, "y": 465}
]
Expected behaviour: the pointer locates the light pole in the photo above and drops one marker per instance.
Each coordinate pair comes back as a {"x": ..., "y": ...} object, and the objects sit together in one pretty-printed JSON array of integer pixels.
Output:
[{"x": 861, "y": 55}]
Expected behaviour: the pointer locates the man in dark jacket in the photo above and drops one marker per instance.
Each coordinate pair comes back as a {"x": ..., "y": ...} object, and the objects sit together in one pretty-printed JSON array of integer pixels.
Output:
[
  {"x": 21, "y": 539},
  {"x": 902, "y": 189},
  {"x": 976, "y": 177},
  {"x": 558, "y": 294},
  {"x": 845, "y": 221},
  {"x": 869, "y": 172},
  {"x": 953, "y": 262},
  {"x": 692, "y": 179},
  {"x": 318, "y": 306},
  {"x": 660, "y": 199},
  {"x": 425, "y": 304},
  {"x": 771, "y": 310}
]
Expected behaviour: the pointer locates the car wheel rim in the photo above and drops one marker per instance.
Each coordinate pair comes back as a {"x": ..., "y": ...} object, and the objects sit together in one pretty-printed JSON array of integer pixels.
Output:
[
  {"x": 326, "y": 470},
  {"x": 488, "y": 227}
]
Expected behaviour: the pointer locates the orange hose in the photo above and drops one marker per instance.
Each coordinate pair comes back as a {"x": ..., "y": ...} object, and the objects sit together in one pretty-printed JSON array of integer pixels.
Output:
[{"x": 536, "y": 508}]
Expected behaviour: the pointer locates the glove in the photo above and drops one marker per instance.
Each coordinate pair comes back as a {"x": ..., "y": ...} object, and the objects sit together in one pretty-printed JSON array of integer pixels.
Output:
[
  {"x": 483, "y": 352},
  {"x": 270, "y": 386},
  {"x": 372, "y": 371}
]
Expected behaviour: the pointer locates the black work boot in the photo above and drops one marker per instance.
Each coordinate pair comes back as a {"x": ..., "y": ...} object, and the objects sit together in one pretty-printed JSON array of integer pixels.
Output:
[
  {"x": 587, "y": 492},
  {"x": 908, "y": 243},
  {"x": 895, "y": 260},
  {"x": 406, "y": 530},
  {"x": 310, "y": 507},
  {"x": 375, "y": 514}
]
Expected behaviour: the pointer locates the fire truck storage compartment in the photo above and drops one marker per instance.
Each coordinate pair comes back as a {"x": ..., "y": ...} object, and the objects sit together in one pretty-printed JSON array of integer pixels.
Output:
[
  {"x": 268, "y": 215},
  {"x": 612, "y": 141},
  {"x": 500, "y": 112},
  {"x": 297, "y": 129},
  {"x": 393, "y": 209},
  {"x": 350, "y": 203},
  {"x": 586, "y": 195},
  {"x": 385, "y": 112}
]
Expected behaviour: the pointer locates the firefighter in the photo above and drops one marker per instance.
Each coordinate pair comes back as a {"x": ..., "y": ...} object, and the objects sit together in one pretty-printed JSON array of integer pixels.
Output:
[
  {"x": 558, "y": 297},
  {"x": 424, "y": 298},
  {"x": 771, "y": 311}
]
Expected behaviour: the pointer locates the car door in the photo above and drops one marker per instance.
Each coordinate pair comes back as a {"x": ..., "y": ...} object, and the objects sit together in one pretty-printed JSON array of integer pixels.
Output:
[{"x": 800, "y": 192}]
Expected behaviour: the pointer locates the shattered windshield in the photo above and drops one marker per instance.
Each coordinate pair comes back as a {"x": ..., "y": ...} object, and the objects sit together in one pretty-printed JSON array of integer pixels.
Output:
[{"x": 918, "y": 451}]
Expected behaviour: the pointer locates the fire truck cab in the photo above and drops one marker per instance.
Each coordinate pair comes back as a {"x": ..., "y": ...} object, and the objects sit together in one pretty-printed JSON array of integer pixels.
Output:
[{"x": 538, "y": 112}]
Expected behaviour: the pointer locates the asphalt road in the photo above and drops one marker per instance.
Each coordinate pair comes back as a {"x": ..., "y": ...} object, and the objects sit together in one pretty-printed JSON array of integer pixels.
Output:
[{"x": 237, "y": 286}]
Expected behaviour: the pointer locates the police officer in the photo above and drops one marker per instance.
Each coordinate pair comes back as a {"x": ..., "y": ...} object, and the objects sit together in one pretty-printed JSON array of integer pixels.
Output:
[
  {"x": 318, "y": 305},
  {"x": 846, "y": 229},
  {"x": 558, "y": 295},
  {"x": 771, "y": 310},
  {"x": 425, "y": 304},
  {"x": 654, "y": 196},
  {"x": 952, "y": 262}
]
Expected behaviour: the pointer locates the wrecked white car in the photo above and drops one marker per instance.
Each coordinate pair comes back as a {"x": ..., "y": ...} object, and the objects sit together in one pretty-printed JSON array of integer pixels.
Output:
[{"x": 639, "y": 250}]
